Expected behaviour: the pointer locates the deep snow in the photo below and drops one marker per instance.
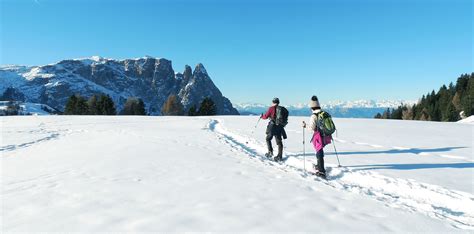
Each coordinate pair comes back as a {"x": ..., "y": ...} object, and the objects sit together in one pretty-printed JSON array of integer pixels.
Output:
[{"x": 92, "y": 173}]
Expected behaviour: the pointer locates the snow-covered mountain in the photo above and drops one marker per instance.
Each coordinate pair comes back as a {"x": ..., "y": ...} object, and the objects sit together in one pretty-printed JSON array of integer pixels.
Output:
[
  {"x": 152, "y": 79},
  {"x": 345, "y": 109}
]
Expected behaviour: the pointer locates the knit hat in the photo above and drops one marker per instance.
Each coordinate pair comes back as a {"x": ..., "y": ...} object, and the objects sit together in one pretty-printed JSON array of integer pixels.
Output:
[{"x": 314, "y": 102}]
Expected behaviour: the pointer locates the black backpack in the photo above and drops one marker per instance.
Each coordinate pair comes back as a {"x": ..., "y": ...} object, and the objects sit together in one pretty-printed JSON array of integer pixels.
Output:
[{"x": 281, "y": 116}]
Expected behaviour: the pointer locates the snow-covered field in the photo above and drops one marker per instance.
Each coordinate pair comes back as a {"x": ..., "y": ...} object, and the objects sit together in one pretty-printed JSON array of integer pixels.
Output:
[{"x": 92, "y": 173}]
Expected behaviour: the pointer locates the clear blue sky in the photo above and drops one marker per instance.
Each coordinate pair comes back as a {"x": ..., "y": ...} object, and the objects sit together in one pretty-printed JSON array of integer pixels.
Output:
[{"x": 255, "y": 50}]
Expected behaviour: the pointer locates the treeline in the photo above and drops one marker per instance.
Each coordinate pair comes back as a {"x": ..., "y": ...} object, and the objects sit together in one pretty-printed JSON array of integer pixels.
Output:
[
  {"x": 449, "y": 104},
  {"x": 104, "y": 105},
  {"x": 96, "y": 105},
  {"x": 173, "y": 106}
]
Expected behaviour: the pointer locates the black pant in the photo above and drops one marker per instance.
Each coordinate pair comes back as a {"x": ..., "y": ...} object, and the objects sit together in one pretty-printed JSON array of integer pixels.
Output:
[
  {"x": 274, "y": 131},
  {"x": 320, "y": 157}
]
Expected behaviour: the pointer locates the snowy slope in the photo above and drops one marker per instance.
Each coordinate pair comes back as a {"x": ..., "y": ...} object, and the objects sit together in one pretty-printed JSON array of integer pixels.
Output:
[
  {"x": 468, "y": 120},
  {"x": 91, "y": 173}
]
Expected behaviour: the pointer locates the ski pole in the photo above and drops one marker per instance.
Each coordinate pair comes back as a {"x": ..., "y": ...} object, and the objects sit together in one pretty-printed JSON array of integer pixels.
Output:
[
  {"x": 253, "y": 130},
  {"x": 304, "y": 149},
  {"x": 338, "y": 162}
]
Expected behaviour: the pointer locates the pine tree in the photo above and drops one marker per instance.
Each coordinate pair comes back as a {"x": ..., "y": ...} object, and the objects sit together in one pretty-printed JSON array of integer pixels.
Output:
[
  {"x": 172, "y": 106},
  {"x": 192, "y": 111},
  {"x": 424, "y": 115},
  {"x": 71, "y": 103},
  {"x": 81, "y": 106},
  {"x": 457, "y": 101},
  {"x": 140, "y": 108},
  {"x": 208, "y": 107},
  {"x": 12, "y": 108},
  {"x": 76, "y": 105},
  {"x": 93, "y": 105},
  {"x": 386, "y": 114},
  {"x": 451, "y": 113},
  {"x": 106, "y": 105},
  {"x": 407, "y": 113},
  {"x": 467, "y": 101},
  {"x": 378, "y": 116},
  {"x": 133, "y": 106},
  {"x": 397, "y": 113}
]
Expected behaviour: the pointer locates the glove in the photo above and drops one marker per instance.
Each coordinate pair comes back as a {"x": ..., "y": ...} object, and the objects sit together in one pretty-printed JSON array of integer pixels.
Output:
[{"x": 304, "y": 124}]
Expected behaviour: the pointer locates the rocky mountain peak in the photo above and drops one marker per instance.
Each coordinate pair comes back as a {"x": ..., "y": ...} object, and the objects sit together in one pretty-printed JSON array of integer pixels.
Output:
[
  {"x": 151, "y": 79},
  {"x": 200, "y": 70},
  {"x": 188, "y": 73}
]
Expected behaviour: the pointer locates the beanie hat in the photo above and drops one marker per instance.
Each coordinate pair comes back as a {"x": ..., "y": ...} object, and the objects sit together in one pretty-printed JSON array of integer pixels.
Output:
[
  {"x": 276, "y": 100},
  {"x": 314, "y": 102}
]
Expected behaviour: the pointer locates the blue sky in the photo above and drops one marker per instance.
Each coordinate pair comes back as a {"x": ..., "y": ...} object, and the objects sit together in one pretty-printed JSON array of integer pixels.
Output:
[{"x": 255, "y": 50}]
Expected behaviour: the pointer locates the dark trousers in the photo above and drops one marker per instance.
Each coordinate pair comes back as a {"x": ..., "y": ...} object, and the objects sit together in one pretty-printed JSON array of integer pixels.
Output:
[
  {"x": 274, "y": 131},
  {"x": 320, "y": 158},
  {"x": 279, "y": 142}
]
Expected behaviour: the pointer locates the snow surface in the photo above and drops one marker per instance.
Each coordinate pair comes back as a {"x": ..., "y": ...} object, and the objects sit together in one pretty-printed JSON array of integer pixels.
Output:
[
  {"x": 124, "y": 173},
  {"x": 468, "y": 120}
]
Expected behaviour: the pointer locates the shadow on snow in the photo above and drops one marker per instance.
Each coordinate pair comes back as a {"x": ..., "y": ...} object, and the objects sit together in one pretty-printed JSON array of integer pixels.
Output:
[{"x": 412, "y": 166}]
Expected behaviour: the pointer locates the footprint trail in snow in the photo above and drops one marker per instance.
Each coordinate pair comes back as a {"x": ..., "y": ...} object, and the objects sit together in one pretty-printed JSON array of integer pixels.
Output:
[{"x": 456, "y": 207}]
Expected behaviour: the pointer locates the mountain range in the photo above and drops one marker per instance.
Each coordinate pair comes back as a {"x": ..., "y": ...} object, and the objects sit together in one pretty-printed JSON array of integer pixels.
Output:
[
  {"x": 342, "y": 109},
  {"x": 151, "y": 79}
]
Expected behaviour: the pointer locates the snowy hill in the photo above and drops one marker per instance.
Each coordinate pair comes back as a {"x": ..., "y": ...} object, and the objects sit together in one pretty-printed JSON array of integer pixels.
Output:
[
  {"x": 151, "y": 174},
  {"x": 152, "y": 79},
  {"x": 341, "y": 109}
]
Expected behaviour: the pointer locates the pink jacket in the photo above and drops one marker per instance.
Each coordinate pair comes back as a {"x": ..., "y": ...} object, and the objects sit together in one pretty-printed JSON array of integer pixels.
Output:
[{"x": 319, "y": 142}]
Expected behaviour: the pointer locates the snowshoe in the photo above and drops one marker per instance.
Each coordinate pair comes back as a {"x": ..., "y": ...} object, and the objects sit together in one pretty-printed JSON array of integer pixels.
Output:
[
  {"x": 321, "y": 175},
  {"x": 269, "y": 155},
  {"x": 318, "y": 173},
  {"x": 278, "y": 158}
]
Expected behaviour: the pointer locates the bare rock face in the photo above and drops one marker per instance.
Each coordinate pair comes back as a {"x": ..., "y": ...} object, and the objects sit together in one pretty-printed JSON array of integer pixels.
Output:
[{"x": 151, "y": 79}]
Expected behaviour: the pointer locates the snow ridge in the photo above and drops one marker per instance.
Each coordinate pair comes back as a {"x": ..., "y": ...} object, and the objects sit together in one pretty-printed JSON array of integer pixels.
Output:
[{"x": 431, "y": 200}]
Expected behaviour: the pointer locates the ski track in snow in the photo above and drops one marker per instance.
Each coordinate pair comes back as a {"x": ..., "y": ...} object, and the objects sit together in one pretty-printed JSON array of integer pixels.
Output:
[{"x": 456, "y": 207}]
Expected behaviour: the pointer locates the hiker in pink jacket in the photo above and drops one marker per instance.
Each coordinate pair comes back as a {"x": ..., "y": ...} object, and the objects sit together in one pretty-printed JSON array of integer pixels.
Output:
[{"x": 318, "y": 141}]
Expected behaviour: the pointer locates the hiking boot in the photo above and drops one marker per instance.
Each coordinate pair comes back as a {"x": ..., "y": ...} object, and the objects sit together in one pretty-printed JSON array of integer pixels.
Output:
[
  {"x": 278, "y": 158},
  {"x": 269, "y": 154}
]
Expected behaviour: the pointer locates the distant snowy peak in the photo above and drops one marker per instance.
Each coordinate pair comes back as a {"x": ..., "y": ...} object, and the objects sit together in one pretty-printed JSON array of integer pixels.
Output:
[
  {"x": 342, "y": 109},
  {"x": 338, "y": 104},
  {"x": 249, "y": 105},
  {"x": 368, "y": 104}
]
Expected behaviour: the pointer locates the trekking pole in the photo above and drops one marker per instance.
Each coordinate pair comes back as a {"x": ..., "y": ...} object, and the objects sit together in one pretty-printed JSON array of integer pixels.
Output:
[
  {"x": 304, "y": 150},
  {"x": 338, "y": 162},
  {"x": 253, "y": 130}
]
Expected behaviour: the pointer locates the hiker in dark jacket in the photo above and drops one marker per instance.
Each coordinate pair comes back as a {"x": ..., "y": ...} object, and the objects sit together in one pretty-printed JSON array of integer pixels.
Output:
[{"x": 274, "y": 130}]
